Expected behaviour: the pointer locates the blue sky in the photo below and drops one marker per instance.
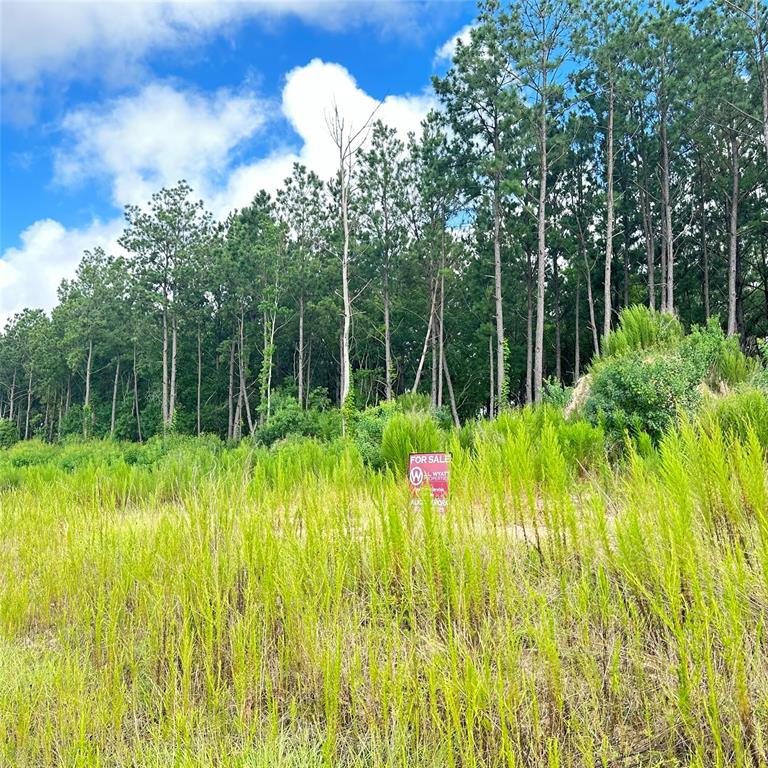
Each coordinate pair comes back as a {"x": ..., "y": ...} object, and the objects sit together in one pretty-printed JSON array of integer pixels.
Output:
[{"x": 103, "y": 103}]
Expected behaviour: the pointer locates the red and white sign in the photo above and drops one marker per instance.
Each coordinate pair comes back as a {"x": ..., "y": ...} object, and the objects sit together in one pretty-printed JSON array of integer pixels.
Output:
[{"x": 430, "y": 470}]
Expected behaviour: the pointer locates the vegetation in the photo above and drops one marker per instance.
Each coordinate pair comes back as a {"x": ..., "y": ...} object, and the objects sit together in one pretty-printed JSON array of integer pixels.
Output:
[
  {"x": 583, "y": 158},
  {"x": 183, "y": 602},
  {"x": 209, "y": 554}
]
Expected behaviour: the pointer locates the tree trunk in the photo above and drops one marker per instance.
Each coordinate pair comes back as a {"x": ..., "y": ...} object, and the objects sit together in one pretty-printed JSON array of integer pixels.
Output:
[
  {"x": 273, "y": 326},
  {"x": 88, "y": 368},
  {"x": 236, "y": 423},
  {"x": 165, "y": 369},
  {"x": 13, "y": 395},
  {"x": 301, "y": 350},
  {"x": 427, "y": 337},
  {"x": 558, "y": 351},
  {"x": 627, "y": 286},
  {"x": 114, "y": 399},
  {"x": 609, "y": 214},
  {"x": 87, "y": 401},
  {"x": 136, "y": 394},
  {"x": 591, "y": 306},
  {"x": 451, "y": 398},
  {"x": 733, "y": 328},
  {"x": 29, "y": 406},
  {"x": 434, "y": 364},
  {"x": 230, "y": 392},
  {"x": 577, "y": 340},
  {"x": 650, "y": 245},
  {"x": 529, "y": 332},
  {"x": 387, "y": 341},
  {"x": 666, "y": 204},
  {"x": 243, "y": 397},
  {"x": 172, "y": 396},
  {"x": 492, "y": 387},
  {"x": 538, "y": 362},
  {"x": 199, "y": 380},
  {"x": 704, "y": 252},
  {"x": 763, "y": 70},
  {"x": 440, "y": 328},
  {"x": 500, "y": 366},
  {"x": 346, "y": 366}
]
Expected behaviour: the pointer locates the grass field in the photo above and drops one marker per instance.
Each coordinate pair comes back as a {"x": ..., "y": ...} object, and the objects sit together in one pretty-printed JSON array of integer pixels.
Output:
[{"x": 239, "y": 607}]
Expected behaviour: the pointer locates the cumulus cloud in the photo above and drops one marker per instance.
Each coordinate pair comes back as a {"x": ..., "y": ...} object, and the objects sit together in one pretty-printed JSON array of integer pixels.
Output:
[
  {"x": 164, "y": 133},
  {"x": 444, "y": 54},
  {"x": 49, "y": 252},
  {"x": 310, "y": 94},
  {"x": 142, "y": 142},
  {"x": 76, "y": 38},
  {"x": 152, "y": 139}
]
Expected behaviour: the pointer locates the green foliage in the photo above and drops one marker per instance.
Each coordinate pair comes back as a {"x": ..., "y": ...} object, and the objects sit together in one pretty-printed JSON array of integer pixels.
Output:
[
  {"x": 651, "y": 372},
  {"x": 9, "y": 434},
  {"x": 406, "y": 433},
  {"x": 367, "y": 430},
  {"x": 738, "y": 413},
  {"x": 718, "y": 358},
  {"x": 554, "y": 393},
  {"x": 641, "y": 328},
  {"x": 298, "y": 579},
  {"x": 30, "y": 453},
  {"x": 642, "y": 391},
  {"x": 289, "y": 419}
]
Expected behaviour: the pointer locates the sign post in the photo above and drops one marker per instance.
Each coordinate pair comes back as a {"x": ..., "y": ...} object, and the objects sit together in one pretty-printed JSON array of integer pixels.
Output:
[{"x": 430, "y": 470}]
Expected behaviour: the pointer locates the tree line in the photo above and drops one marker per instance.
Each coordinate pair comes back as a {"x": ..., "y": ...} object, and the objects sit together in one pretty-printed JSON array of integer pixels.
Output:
[{"x": 583, "y": 158}]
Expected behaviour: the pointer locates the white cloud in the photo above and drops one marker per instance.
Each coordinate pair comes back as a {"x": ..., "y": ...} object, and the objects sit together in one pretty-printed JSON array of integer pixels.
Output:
[
  {"x": 76, "y": 38},
  {"x": 162, "y": 134},
  {"x": 49, "y": 252},
  {"x": 444, "y": 53},
  {"x": 309, "y": 96}
]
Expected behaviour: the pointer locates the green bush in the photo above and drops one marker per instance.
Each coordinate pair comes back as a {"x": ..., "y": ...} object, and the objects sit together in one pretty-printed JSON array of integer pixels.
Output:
[
  {"x": 718, "y": 358},
  {"x": 291, "y": 420},
  {"x": 30, "y": 453},
  {"x": 367, "y": 430},
  {"x": 739, "y": 412},
  {"x": 641, "y": 391},
  {"x": 413, "y": 402},
  {"x": 642, "y": 328},
  {"x": 8, "y": 433},
  {"x": 554, "y": 393},
  {"x": 407, "y": 433}
]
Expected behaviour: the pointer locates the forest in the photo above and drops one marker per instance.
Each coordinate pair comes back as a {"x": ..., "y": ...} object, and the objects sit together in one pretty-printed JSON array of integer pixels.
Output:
[{"x": 581, "y": 160}]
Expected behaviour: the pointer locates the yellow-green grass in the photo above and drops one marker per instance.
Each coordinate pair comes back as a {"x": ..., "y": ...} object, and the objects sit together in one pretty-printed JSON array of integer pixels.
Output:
[{"x": 290, "y": 608}]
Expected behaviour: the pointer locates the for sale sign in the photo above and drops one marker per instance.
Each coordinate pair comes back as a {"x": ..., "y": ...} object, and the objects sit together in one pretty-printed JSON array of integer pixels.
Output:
[{"x": 430, "y": 470}]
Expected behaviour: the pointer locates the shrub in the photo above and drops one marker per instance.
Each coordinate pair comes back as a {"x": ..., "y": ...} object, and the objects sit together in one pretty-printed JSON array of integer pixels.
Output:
[
  {"x": 8, "y": 433},
  {"x": 642, "y": 328},
  {"x": 554, "y": 393},
  {"x": 30, "y": 453},
  {"x": 367, "y": 430},
  {"x": 739, "y": 412},
  {"x": 405, "y": 434},
  {"x": 582, "y": 444},
  {"x": 291, "y": 420},
  {"x": 638, "y": 391},
  {"x": 413, "y": 402},
  {"x": 718, "y": 359}
]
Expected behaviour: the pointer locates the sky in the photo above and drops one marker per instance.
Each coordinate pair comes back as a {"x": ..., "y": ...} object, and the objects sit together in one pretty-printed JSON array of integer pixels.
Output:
[{"x": 103, "y": 103}]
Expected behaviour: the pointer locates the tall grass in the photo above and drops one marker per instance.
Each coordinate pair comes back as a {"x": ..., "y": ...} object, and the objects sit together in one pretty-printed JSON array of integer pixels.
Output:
[{"x": 290, "y": 608}]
